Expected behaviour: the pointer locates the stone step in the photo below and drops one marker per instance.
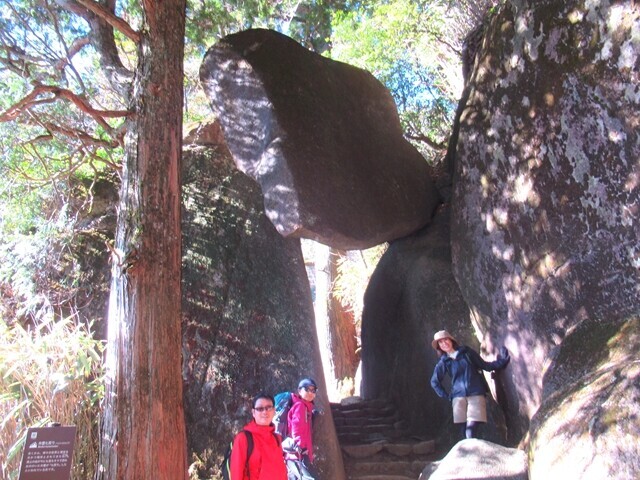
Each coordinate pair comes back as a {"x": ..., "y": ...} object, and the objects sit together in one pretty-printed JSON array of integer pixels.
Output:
[
  {"x": 365, "y": 412},
  {"x": 365, "y": 420},
  {"x": 376, "y": 444},
  {"x": 387, "y": 468},
  {"x": 371, "y": 427},
  {"x": 400, "y": 449},
  {"x": 351, "y": 438},
  {"x": 357, "y": 402},
  {"x": 371, "y": 408},
  {"x": 354, "y": 417},
  {"x": 368, "y": 428}
]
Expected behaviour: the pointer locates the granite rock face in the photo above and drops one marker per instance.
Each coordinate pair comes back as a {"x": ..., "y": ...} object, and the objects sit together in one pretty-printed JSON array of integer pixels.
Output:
[
  {"x": 248, "y": 323},
  {"x": 589, "y": 422},
  {"x": 321, "y": 137},
  {"x": 546, "y": 209}
]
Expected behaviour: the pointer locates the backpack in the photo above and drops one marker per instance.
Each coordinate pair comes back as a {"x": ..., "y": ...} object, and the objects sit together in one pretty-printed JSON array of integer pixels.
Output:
[
  {"x": 283, "y": 403},
  {"x": 225, "y": 466}
]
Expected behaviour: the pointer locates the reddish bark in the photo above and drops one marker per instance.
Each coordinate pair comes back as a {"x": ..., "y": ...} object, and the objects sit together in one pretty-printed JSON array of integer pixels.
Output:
[
  {"x": 143, "y": 432},
  {"x": 343, "y": 331}
]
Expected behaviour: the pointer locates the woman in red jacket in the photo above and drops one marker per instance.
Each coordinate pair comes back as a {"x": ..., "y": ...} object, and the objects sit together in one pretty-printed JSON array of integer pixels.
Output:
[{"x": 266, "y": 461}]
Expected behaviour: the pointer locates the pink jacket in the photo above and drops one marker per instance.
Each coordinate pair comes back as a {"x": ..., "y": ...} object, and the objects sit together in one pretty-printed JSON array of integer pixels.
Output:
[{"x": 300, "y": 427}]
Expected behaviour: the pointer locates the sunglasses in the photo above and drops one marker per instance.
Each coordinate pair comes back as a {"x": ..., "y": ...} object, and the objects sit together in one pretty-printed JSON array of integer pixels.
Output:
[
  {"x": 311, "y": 389},
  {"x": 263, "y": 409}
]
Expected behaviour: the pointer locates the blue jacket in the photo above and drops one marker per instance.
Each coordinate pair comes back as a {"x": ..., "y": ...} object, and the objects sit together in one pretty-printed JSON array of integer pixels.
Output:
[{"x": 466, "y": 380}]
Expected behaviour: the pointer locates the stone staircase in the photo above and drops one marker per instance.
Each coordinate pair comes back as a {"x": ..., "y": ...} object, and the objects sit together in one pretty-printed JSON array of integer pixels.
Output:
[{"x": 376, "y": 444}]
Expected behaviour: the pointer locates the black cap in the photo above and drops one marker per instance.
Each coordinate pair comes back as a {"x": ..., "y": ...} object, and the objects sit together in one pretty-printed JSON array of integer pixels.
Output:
[{"x": 307, "y": 382}]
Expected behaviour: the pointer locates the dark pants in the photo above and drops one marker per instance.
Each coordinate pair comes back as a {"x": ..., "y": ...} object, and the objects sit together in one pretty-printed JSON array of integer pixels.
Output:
[{"x": 470, "y": 429}]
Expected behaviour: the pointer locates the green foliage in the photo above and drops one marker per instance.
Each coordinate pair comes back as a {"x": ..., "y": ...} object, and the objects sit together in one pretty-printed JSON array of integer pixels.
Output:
[
  {"x": 48, "y": 260},
  {"x": 48, "y": 91},
  {"x": 49, "y": 373},
  {"x": 34, "y": 35},
  {"x": 308, "y": 22},
  {"x": 51, "y": 153},
  {"x": 407, "y": 45}
]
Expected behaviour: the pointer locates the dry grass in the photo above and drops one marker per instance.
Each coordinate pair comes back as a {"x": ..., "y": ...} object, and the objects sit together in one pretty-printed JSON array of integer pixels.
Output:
[{"x": 50, "y": 373}]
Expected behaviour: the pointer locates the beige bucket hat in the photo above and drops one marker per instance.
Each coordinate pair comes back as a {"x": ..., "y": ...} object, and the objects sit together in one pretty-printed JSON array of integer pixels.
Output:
[{"x": 439, "y": 336}]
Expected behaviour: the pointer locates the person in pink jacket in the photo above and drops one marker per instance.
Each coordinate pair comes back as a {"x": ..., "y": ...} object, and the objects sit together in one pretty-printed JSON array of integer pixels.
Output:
[
  {"x": 266, "y": 461},
  {"x": 300, "y": 420}
]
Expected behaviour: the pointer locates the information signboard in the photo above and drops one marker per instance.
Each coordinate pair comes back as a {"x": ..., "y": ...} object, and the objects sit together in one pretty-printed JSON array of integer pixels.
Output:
[{"x": 48, "y": 453}]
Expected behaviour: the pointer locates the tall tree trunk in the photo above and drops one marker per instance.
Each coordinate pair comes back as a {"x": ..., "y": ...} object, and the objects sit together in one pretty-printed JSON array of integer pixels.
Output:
[
  {"x": 343, "y": 332},
  {"x": 143, "y": 430},
  {"x": 335, "y": 327},
  {"x": 321, "y": 312}
]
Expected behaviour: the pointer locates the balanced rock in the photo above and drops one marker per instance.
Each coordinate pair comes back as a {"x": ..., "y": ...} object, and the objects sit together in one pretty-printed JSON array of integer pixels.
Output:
[{"x": 321, "y": 137}]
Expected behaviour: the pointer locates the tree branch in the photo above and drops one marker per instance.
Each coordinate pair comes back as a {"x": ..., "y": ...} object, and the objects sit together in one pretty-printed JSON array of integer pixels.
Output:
[
  {"x": 21, "y": 70},
  {"x": 103, "y": 41},
  {"x": 84, "y": 137},
  {"x": 113, "y": 20},
  {"x": 32, "y": 99},
  {"x": 420, "y": 137},
  {"x": 77, "y": 45}
]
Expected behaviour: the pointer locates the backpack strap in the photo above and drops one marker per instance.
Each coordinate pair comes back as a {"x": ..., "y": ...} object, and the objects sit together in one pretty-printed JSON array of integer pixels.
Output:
[{"x": 249, "y": 436}]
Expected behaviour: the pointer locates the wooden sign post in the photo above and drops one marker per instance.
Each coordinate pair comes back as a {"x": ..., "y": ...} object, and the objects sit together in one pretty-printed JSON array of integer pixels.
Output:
[{"x": 48, "y": 453}]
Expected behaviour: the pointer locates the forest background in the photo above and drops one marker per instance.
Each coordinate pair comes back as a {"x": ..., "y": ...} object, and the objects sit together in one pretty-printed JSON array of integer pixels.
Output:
[{"x": 66, "y": 80}]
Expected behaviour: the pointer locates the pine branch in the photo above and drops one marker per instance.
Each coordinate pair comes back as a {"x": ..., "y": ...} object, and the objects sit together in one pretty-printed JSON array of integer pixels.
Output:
[
  {"x": 32, "y": 99},
  {"x": 103, "y": 13},
  {"x": 85, "y": 138}
]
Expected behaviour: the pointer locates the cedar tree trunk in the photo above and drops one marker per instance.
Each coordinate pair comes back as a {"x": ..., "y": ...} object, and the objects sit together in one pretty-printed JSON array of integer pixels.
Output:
[
  {"x": 335, "y": 327},
  {"x": 143, "y": 429}
]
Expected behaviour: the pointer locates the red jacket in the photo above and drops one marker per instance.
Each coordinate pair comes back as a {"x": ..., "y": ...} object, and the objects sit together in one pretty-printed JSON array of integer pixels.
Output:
[
  {"x": 299, "y": 419},
  {"x": 266, "y": 461}
]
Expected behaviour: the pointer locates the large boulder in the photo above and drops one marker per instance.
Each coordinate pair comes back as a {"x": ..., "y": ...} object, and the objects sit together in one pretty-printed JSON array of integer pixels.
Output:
[
  {"x": 248, "y": 321},
  {"x": 545, "y": 233},
  {"x": 475, "y": 459},
  {"x": 411, "y": 295},
  {"x": 589, "y": 423},
  {"x": 321, "y": 137}
]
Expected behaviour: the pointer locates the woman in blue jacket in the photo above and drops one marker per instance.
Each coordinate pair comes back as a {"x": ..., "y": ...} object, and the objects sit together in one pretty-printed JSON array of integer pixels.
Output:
[{"x": 468, "y": 385}]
